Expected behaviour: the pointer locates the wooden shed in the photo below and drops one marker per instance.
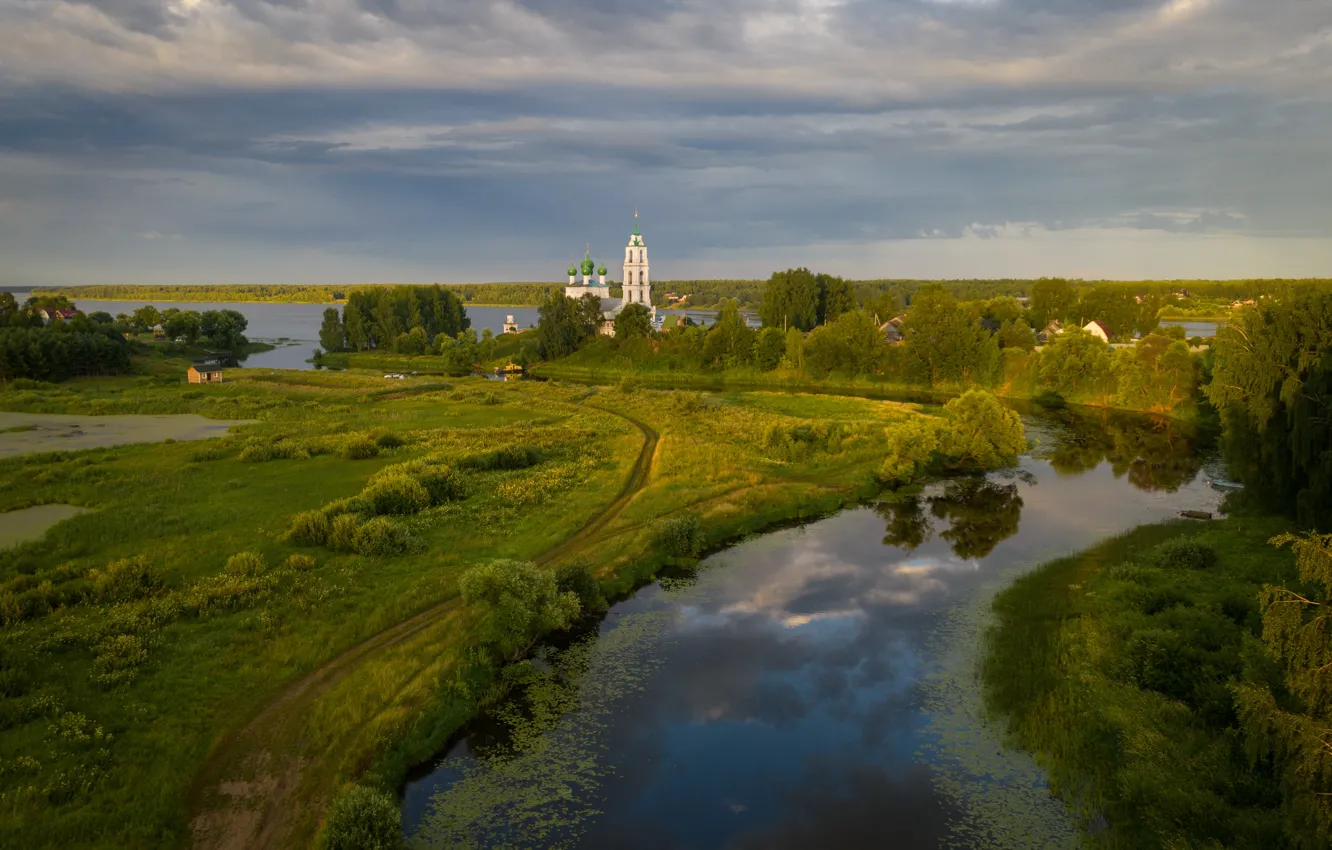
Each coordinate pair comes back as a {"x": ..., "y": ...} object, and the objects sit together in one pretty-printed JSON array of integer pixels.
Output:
[{"x": 205, "y": 374}]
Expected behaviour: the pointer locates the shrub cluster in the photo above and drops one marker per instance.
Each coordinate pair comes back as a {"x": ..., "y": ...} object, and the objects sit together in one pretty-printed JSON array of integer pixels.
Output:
[
  {"x": 397, "y": 495},
  {"x": 1182, "y": 554},
  {"x": 509, "y": 457},
  {"x": 799, "y": 442},
  {"x": 362, "y": 818},
  {"x": 359, "y": 447},
  {"x": 679, "y": 537}
]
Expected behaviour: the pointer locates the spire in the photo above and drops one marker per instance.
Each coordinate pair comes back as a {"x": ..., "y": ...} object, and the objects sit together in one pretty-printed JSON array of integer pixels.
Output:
[{"x": 636, "y": 233}]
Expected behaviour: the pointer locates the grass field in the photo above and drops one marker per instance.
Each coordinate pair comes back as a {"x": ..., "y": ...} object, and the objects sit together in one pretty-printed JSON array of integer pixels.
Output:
[{"x": 155, "y": 684}]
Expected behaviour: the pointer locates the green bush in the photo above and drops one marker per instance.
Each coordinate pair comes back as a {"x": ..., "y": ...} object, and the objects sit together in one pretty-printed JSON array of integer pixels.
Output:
[
  {"x": 388, "y": 441},
  {"x": 125, "y": 580},
  {"x": 246, "y": 564},
  {"x": 300, "y": 563},
  {"x": 576, "y": 577},
  {"x": 278, "y": 450},
  {"x": 362, "y": 818},
  {"x": 354, "y": 505},
  {"x": 398, "y": 495},
  {"x": 117, "y": 660},
  {"x": 256, "y": 453},
  {"x": 206, "y": 452},
  {"x": 342, "y": 532},
  {"x": 444, "y": 484},
  {"x": 521, "y": 602},
  {"x": 309, "y": 528},
  {"x": 380, "y": 536},
  {"x": 509, "y": 457},
  {"x": 1183, "y": 555},
  {"x": 679, "y": 536},
  {"x": 359, "y": 448}
]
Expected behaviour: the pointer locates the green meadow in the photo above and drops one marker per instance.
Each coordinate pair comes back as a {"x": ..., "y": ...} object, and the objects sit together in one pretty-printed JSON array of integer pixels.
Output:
[{"x": 238, "y": 627}]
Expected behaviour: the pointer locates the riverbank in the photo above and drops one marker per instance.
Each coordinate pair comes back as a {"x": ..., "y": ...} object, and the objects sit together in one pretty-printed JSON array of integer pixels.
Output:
[
  {"x": 185, "y": 609},
  {"x": 1114, "y": 666},
  {"x": 1018, "y": 388}
]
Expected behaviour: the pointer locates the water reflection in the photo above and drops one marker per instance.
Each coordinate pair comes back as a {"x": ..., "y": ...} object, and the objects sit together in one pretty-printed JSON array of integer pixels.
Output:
[
  {"x": 778, "y": 700},
  {"x": 1156, "y": 454}
]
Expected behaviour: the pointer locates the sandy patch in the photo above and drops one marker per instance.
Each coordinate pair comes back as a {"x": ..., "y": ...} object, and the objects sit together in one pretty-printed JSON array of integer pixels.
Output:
[{"x": 50, "y": 432}]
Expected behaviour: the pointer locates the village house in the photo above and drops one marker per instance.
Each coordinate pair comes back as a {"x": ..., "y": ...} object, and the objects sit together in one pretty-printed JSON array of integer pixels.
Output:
[
  {"x": 891, "y": 332},
  {"x": 203, "y": 373},
  {"x": 1052, "y": 329},
  {"x": 1097, "y": 329},
  {"x": 52, "y": 315}
]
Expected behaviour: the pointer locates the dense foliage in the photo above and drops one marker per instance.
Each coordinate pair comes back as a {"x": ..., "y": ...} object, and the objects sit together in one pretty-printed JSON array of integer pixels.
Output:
[
  {"x": 1272, "y": 383},
  {"x": 402, "y": 319},
  {"x": 798, "y": 298},
  {"x": 362, "y": 818},
  {"x": 31, "y": 347},
  {"x": 1287, "y": 717},
  {"x": 1121, "y": 667}
]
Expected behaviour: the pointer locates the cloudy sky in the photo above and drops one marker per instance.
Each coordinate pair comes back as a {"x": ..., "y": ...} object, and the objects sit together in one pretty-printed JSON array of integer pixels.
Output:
[{"x": 305, "y": 141}]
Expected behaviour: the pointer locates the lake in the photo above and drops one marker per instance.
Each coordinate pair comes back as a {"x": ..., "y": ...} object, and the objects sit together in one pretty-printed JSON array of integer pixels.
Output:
[
  {"x": 297, "y": 324},
  {"x": 814, "y": 686}
]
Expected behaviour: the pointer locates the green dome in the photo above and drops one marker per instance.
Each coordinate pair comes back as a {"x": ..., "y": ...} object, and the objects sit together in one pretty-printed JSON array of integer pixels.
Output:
[
  {"x": 573, "y": 270},
  {"x": 588, "y": 265},
  {"x": 601, "y": 271}
]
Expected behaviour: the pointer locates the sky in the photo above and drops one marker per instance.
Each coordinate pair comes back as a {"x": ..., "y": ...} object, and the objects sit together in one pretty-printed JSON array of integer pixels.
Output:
[{"x": 343, "y": 141}]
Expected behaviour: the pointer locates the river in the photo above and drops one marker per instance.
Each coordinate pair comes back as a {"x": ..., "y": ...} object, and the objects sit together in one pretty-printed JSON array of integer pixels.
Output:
[
  {"x": 814, "y": 686},
  {"x": 292, "y": 328}
]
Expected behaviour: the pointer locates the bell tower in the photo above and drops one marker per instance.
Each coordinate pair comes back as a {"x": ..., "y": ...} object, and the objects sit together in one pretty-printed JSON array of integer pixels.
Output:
[{"x": 637, "y": 282}]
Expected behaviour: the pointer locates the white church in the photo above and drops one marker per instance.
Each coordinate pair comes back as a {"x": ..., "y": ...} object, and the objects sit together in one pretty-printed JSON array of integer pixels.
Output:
[{"x": 637, "y": 282}]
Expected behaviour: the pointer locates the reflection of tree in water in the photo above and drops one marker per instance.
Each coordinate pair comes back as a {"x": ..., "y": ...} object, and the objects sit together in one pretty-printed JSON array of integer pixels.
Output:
[
  {"x": 907, "y": 526},
  {"x": 1156, "y": 454},
  {"x": 981, "y": 514}
]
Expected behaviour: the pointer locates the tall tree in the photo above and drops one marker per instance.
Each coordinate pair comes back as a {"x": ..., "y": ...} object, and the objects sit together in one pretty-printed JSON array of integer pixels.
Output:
[
  {"x": 562, "y": 326},
  {"x": 1291, "y": 724},
  {"x": 730, "y": 342},
  {"x": 1076, "y": 365},
  {"x": 945, "y": 342},
  {"x": 791, "y": 300},
  {"x": 1113, "y": 306},
  {"x": 1272, "y": 383},
  {"x": 332, "y": 335},
  {"x": 1052, "y": 299},
  {"x": 836, "y": 296},
  {"x": 633, "y": 322},
  {"x": 1157, "y": 374}
]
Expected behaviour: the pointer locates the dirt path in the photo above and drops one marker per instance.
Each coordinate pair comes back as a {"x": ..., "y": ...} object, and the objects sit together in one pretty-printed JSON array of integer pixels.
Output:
[{"x": 245, "y": 795}]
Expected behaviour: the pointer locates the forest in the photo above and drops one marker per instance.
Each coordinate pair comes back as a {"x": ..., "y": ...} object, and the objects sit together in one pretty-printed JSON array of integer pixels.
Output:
[
  {"x": 820, "y": 328},
  {"x": 54, "y": 349}
]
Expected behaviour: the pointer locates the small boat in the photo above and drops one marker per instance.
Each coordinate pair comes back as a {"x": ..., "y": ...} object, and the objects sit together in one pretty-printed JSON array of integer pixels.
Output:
[
  {"x": 1224, "y": 485},
  {"x": 1196, "y": 514}
]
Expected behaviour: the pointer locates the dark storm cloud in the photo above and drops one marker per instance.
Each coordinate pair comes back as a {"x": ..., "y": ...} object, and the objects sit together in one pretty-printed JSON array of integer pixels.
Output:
[{"x": 426, "y": 133}]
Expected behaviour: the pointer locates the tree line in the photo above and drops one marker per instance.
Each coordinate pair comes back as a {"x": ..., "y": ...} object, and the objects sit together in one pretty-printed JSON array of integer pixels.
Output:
[
  {"x": 395, "y": 319},
  {"x": 30, "y": 348}
]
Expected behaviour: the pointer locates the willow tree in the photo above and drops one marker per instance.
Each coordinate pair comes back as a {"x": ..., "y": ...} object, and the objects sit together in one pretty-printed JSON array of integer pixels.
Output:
[{"x": 1292, "y": 727}]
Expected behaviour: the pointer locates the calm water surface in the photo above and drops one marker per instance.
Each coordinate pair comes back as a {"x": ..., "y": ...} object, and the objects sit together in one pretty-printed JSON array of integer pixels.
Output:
[
  {"x": 294, "y": 328},
  {"x": 813, "y": 687}
]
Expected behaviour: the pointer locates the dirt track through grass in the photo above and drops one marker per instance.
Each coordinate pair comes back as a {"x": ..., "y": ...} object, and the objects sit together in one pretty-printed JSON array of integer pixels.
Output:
[{"x": 245, "y": 796}]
